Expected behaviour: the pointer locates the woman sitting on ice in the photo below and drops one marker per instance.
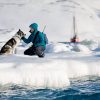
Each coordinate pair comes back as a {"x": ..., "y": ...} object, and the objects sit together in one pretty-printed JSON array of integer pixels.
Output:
[{"x": 38, "y": 40}]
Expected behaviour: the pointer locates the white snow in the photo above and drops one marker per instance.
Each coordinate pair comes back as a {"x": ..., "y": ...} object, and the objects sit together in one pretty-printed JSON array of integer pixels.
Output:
[
  {"x": 57, "y": 47},
  {"x": 53, "y": 71},
  {"x": 80, "y": 48},
  {"x": 62, "y": 61},
  {"x": 50, "y": 72}
]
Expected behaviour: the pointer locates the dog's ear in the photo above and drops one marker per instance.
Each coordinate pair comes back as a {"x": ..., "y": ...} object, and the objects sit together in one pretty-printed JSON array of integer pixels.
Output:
[{"x": 19, "y": 30}]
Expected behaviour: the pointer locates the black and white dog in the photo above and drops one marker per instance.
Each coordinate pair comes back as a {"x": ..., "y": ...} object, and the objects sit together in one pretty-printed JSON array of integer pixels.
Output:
[{"x": 11, "y": 44}]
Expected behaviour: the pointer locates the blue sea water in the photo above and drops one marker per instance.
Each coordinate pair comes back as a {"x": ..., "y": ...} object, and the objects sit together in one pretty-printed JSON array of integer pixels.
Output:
[{"x": 83, "y": 88}]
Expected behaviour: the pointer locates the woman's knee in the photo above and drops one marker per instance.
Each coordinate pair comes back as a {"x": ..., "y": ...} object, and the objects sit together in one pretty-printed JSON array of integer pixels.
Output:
[{"x": 40, "y": 51}]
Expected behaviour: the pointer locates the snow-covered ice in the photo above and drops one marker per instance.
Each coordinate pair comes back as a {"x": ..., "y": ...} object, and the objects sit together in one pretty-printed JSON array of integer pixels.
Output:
[{"x": 53, "y": 71}]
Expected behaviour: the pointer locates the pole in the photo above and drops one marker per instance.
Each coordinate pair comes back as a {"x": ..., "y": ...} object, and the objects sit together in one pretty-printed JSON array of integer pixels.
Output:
[
  {"x": 74, "y": 25},
  {"x": 44, "y": 28}
]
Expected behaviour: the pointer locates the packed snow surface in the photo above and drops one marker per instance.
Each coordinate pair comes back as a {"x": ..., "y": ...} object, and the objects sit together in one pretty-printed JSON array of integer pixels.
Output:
[{"x": 61, "y": 63}]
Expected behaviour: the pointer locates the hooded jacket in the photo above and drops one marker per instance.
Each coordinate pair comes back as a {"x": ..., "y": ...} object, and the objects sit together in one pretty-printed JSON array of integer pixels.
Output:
[{"x": 39, "y": 41}]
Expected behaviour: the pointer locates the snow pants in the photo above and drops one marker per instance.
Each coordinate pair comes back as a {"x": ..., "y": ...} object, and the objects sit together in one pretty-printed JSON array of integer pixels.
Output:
[{"x": 35, "y": 51}]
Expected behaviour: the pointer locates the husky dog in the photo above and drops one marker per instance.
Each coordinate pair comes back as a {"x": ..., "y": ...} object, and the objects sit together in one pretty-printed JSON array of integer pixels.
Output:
[{"x": 11, "y": 44}]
